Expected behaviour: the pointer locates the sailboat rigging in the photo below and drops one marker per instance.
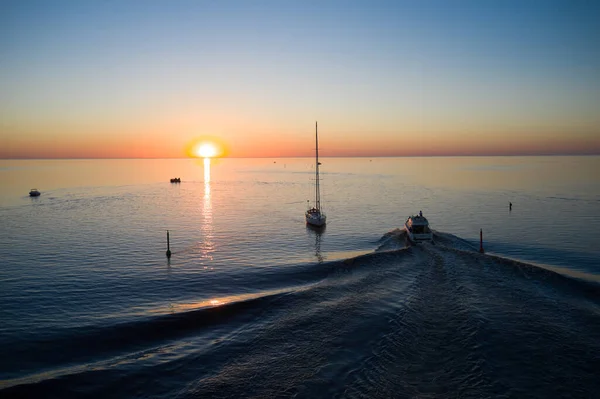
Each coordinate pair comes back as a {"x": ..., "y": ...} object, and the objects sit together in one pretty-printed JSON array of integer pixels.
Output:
[{"x": 314, "y": 216}]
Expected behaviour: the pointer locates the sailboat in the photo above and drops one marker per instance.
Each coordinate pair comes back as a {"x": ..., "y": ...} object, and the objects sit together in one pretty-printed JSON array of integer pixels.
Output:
[{"x": 314, "y": 216}]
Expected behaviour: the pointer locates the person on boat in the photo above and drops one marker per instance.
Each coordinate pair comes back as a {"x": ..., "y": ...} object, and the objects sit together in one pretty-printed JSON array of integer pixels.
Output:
[{"x": 421, "y": 213}]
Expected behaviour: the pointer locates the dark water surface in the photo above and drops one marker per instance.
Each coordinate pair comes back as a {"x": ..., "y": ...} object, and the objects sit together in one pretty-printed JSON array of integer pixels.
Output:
[{"x": 254, "y": 304}]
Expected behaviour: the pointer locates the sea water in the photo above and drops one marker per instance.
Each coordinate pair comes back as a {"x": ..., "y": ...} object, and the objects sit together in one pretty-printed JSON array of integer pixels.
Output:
[{"x": 253, "y": 303}]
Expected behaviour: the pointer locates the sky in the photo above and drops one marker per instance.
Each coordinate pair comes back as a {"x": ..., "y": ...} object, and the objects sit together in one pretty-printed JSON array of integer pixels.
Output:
[{"x": 147, "y": 79}]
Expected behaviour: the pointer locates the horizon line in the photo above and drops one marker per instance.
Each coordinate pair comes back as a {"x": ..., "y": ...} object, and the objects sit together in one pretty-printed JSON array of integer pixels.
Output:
[{"x": 308, "y": 156}]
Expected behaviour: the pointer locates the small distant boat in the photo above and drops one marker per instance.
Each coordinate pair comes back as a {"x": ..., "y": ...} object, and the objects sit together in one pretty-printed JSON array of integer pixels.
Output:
[
  {"x": 34, "y": 192},
  {"x": 417, "y": 228},
  {"x": 176, "y": 180},
  {"x": 315, "y": 216}
]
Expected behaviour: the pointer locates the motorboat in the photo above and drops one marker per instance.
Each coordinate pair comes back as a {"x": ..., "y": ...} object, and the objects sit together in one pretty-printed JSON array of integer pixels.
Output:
[
  {"x": 417, "y": 228},
  {"x": 34, "y": 192},
  {"x": 315, "y": 215},
  {"x": 176, "y": 180}
]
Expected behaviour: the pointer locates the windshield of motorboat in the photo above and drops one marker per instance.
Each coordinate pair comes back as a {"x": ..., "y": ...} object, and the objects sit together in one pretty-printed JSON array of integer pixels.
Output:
[{"x": 419, "y": 229}]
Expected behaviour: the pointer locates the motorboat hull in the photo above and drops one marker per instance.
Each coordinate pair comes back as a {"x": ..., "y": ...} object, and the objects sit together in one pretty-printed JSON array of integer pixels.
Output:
[
  {"x": 418, "y": 237},
  {"x": 417, "y": 229}
]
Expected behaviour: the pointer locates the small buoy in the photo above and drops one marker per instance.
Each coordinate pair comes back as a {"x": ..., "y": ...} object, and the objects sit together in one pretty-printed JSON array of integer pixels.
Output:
[
  {"x": 481, "y": 241},
  {"x": 168, "y": 246}
]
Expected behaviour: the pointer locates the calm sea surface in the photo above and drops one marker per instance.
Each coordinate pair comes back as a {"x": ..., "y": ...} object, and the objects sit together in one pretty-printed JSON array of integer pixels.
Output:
[{"x": 255, "y": 304}]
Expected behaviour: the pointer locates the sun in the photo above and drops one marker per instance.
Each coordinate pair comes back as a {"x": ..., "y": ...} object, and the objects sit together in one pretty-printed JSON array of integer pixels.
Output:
[
  {"x": 206, "y": 150},
  {"x": 206, "y": 147}
]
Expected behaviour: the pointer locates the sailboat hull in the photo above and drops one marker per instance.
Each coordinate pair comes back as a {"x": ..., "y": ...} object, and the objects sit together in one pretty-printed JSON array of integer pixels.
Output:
[{"x": 317, "y": 220}]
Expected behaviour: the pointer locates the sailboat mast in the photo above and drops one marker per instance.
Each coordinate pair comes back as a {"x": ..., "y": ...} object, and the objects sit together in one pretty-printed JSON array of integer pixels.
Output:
[{"x": 317, "y": 186}]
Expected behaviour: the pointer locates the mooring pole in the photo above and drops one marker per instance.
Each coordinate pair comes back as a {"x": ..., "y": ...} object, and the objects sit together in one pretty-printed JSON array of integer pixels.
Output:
[
  {"x": 481, "y": 241},
  {"x": 168, "y": 246}
]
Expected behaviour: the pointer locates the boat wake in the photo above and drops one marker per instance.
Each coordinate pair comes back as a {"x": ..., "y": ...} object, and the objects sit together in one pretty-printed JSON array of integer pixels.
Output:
[{"x": 404, "y": 321}]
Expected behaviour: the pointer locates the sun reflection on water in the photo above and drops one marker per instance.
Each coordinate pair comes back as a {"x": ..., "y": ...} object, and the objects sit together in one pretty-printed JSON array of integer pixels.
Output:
[
  {"x": 207, "y": 243},
  {"x": 207, "y": 173},
  {"x": 220, "y": 301}
]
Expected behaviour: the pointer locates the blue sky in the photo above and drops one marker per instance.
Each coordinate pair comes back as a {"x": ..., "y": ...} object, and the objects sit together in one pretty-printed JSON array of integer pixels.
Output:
[{"x": 444, "y": 70}]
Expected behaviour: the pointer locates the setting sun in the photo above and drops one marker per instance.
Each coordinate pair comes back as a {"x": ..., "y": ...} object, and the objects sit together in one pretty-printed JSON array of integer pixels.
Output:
[
  {"x": 206, "y": 147},
  {"x": 206, "y": 150}
]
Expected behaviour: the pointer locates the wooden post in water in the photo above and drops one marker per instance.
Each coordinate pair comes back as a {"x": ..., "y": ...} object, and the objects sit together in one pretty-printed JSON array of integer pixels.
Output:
[
  {"x": 168, "y": 246},
  {"x": 481, "y": 241}
]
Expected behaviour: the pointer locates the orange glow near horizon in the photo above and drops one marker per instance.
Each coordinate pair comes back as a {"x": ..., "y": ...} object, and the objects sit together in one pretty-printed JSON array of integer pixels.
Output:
[{"x": 282, "y": 143}]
